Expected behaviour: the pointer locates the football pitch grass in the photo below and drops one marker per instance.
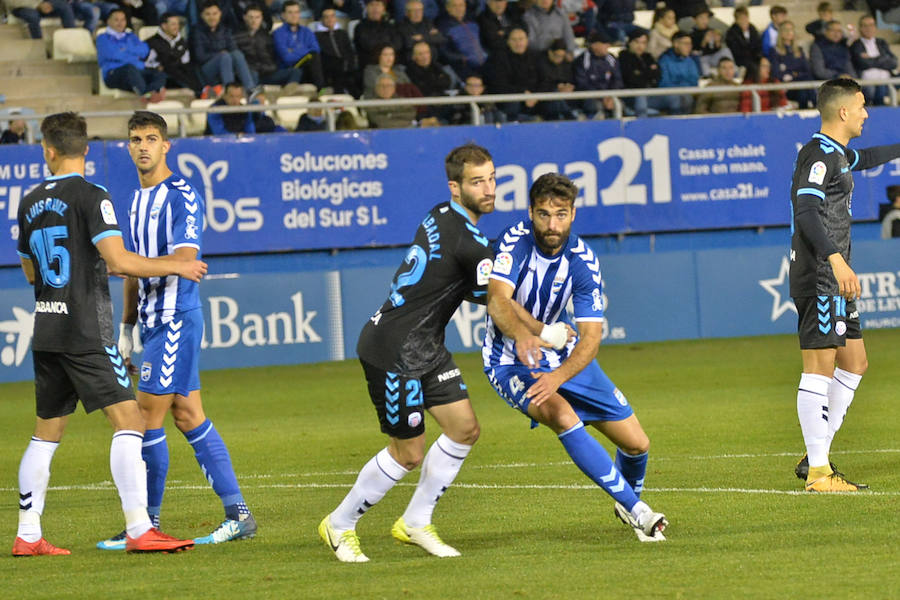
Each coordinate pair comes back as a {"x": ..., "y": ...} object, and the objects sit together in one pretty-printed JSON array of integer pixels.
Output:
[{"x": 721, "y": 415}]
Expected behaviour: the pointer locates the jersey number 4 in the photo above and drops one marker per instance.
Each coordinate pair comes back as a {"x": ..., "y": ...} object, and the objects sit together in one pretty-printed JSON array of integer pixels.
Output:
[{"x": 53, "y": 259}]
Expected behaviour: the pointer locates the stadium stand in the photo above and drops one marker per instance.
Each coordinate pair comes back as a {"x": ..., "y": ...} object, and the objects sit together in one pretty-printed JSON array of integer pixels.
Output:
[{"x": 288, "y": 117}]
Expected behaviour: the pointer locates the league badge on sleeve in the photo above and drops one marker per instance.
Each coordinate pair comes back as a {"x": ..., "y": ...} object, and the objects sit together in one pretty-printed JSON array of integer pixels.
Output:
[
  {"x": 107, "y": 212},
  {"x": 503, "y": 263},
  {"x": 483, "y": 271},
  {"x": 817, "y": 172}
]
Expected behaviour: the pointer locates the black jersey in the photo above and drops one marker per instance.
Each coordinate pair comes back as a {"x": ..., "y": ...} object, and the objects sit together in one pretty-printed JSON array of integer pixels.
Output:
[
  {"x": 60, "y": 222},
  {"x": 822, "y": 173},
  {"x": 449, "y": 260}
]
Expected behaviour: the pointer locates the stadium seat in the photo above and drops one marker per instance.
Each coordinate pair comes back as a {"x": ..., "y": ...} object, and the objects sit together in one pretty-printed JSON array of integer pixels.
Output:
[
  {"x": 643, "y": 18},
  {"x": 354, "y": 110},
  {"x": 106, "y": 91},
  {"x": 276, "y": 25},
  {"x": 195, "y": 123},
  {"x": 74, "y": 45},
  {"x": 172, "y": 120},
  {"x": 147, "y": 31},
  {"x": 288, "y": 117}
]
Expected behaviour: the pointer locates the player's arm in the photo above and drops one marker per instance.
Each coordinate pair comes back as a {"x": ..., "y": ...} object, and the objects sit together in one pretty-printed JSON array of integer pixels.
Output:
[
  {"x": 28, "y": 269},
  {"x": 867, "y": 158},
  {"x": 124, "y": 262},
  {"x": 590, "y": 332},
  {"x": 502, "y": 309}
]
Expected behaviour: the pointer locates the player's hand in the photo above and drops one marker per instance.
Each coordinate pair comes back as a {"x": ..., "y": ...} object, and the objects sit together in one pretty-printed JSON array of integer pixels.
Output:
[
  {"x": 544, "y": 388},
  {"x": 528, "y": 349},
  {"x": 126, "y": 345},
  {"x": 848, "y": 282},
  {"x": 193, "y": 270},
  {"x": 557, "y": 334}
]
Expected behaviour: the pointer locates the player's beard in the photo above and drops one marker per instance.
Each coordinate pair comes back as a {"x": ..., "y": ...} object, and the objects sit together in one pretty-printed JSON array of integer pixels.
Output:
[
  {"x": 480, "y": 205},
  {"x": 551, "y": 242}
]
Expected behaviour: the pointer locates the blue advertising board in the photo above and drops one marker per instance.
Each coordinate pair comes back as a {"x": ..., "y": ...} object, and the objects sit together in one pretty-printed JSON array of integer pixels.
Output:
[
  {"x": 279, "y": 192},
  {"x": 288, "y": 317}
]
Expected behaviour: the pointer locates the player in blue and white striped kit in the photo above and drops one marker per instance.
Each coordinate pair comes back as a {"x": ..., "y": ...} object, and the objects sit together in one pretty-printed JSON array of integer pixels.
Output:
[
  {"x": 166, "y": 218},
  {"x": 537, "y": 363}
]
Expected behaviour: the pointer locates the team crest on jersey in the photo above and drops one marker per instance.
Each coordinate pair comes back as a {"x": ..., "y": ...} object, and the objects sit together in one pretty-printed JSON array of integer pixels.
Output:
[
  {"x": 190, "y": 230},
  {"x": 107, "y": 212},
  {"x": 146, "y": 369},
  {"x": 598, "y": 300},
  {"x": 50, "y": 186},
  {"x": 620, "y": 397},
  {"x": 414, "y": 419},
  {"x": 483, "y": 271},
  {"x": 840, "y": 328},
  {"x": 154, "y": 212},
  {"x": 503, "y": 263},
  {"x": 817, "y": 172}
]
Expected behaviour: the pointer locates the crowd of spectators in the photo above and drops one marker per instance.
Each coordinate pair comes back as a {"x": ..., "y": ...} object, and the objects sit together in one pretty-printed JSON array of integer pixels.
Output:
[{"x": 416, "y": 48}]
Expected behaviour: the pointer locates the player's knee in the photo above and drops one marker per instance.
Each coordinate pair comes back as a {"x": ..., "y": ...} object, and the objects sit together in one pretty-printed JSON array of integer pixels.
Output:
[
  {"x": 468, "y": 435},
  {"x": 640, "y": 445},
  {"x": 410, "y": 459},
  {"x": 187, "y": 418}
]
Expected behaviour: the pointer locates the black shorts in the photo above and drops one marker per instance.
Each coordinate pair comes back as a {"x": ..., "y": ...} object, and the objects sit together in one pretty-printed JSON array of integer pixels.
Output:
[
  {"x": 826, "y": 321},
  {"x": 400, "y": 401},
  {"x": 61, "y": 380}
]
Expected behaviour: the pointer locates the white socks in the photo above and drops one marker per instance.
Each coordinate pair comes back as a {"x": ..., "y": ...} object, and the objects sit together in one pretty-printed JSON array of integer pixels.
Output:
[
  {"x": 129, "y": 473},
  {"x": 840, "y": 395},
  {"x": 375, "y": 479},
  {"x": 34, "y": 476},
  {"x": 812, "y": 409},
  {"x": 439, "y": 469}
]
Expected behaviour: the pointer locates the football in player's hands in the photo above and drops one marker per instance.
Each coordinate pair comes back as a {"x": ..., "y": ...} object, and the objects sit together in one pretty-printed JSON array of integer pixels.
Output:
[{"x": 556, "y": 334}]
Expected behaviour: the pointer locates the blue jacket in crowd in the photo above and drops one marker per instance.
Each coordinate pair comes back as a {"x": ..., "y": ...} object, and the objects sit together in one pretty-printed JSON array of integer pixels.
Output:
[
  {"x": 291, "y": 46},
  {"x": 597, "y": 73},
  {"x": 678, "y": 71},
  {"x": 114, "y": 52},
  {"x": 206, "y": 43}
]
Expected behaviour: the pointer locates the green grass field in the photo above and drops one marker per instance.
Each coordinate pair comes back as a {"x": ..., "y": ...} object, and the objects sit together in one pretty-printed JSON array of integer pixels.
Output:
[{"x": 721, "y": 416}]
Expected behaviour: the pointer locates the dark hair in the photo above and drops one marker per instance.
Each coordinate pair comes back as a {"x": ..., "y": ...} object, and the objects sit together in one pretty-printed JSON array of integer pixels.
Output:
[
  {"x": 256, "y": 7},
  {"x": 552, "y": 185},
  {"x": 377, "y": 50},
  {"x": 456, "y": 161},
  {"x": 144, "y": 118},
  {"x": 892, "y": 192},
  {"x": 823, "y": 6},
  {"x": 289, "y": 3},
  {"x": 777, "y": 10},
  {"x": 168, "y": 15},
  {"x": 232, "y": 84},
  {"x": 726, "y": 59},
  {"x": 680, "y": 34},
  {"x": 115, "y": 10},
  {"x": 66, "y": 133},
  {"x": 833, "y": 91},
  {"x": 209, "y": 3},
  {"x": 741, "y": 10}
]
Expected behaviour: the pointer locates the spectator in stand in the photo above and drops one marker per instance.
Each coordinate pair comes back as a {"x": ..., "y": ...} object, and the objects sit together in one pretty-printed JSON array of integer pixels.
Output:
[
  {"x": 872, "y": 58},
  {"x": 313, "y": 119},
  {"x": 789, "y": 63},
  {"x": 664, "y": 27},
  {"x": 829, "y": 56},
  {"x": 711, "y": 52},
  {"x": 32, "y": 11},
  {"x": 582, "y": 15},
  {"x": 546, "y": 22},
  {"x": 415, "y": 28},
  {"x": 237, "y": 122},
  {"x": 679, "y": 69},
  {"x": 616, "y": 18},
  {"x": 145, "y": 10},
  {"x": 214, "y": 50},
  {"x": 685, "y": 9},
  {"x": 339, "y": 63},
  {"x": 296, "y": 48},
  {"x": 461, "y": 114},
  {"x": 597, "y": 69},
  {"x": 426, "y": 74},
  {"x": 888, "y": 10},
  {"x": 121, "y": 57},
  {"x": 779, "y": 15},
  {"x": 768, "y": 100},
  {"x": 640, "y": 70},
  {"x": 890, "y": 214},
  {"x": 556, "y": 74},
  {"x": 721, "y": 102},
  {"x": 375, "y": 31},
  {"x": 514, "y": 71},
  {"x": 700, "y": 28},
  {"x": 15, "y": 134},
  {"x": 431, "y": 10},
  {"x": 385, "y": 64},
  {"x": 256, "y": 44},
  {"x": 463, "y": 50},
  {"x": 169, "y": 53},
  {"x": 496, "y": 21},
  {"x": 817, "y": 28},
  {"x": 352, "y": 10},
  {"x": 389, "y": 117},
  {"x": 743, "y": 40}
]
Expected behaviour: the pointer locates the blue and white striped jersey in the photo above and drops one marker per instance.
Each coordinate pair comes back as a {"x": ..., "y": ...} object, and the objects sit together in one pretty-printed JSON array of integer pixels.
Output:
[
  {"x": 162, "y": 219},
  {"x": 544, "y": 285}
]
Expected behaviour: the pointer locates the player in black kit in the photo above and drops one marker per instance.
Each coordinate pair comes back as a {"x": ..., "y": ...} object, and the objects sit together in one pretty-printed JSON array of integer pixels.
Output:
[
  {"x": 69, "y": 241},
  {"x": 409, "y": 370},
  {"x": 823, "y": 285}
]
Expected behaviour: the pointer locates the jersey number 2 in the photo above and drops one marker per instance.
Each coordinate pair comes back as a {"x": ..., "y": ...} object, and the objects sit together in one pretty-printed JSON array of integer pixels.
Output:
[
  {"x": 47, "y": 252},
  {"x": 416, "y": 259}
]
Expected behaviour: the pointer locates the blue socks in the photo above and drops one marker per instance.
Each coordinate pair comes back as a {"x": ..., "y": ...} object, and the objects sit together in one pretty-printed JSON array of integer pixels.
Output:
[
  {"x": 213, "y": 458},
  {"x": 633, "y": 469},
  {"x": 155, "y": 452},
  {"x": 592, "y": 459}
]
